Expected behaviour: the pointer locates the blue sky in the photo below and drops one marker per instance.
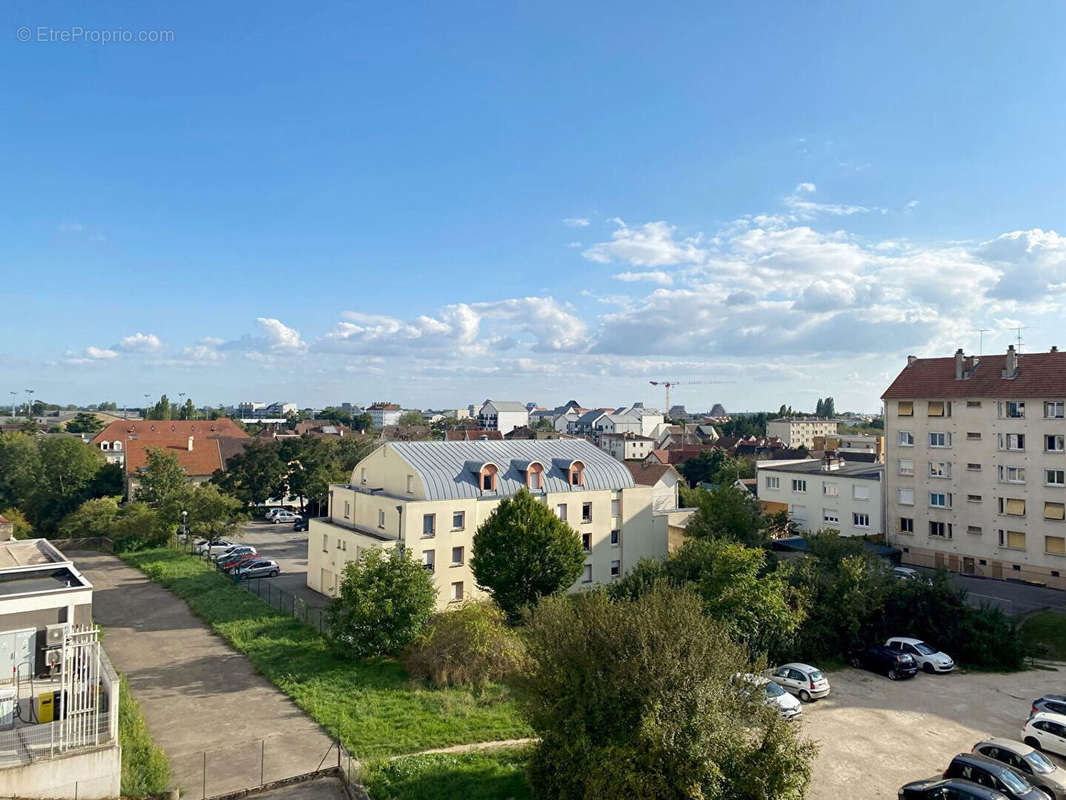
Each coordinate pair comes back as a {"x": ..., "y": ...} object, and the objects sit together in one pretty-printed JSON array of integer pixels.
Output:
[{"x": 436, "y": 203}]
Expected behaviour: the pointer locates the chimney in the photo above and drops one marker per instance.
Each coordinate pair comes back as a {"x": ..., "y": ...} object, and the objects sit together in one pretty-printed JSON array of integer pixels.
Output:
[
  {"x": 911, "y": 360},
  {"x": 960, "y": 370},
  {"x": 1010, "y": 369},
  {"x": 190, "y": 444},
  {"x": 1054, "y": 348}
]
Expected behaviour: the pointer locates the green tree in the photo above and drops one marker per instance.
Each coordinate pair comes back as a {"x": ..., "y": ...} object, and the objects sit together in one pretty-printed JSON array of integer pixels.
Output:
[
  {"x": 255, "y": 475},
  {"x": 20, "y": 464},
  {"x": 727, "y": 512},
  {"x": 109, "y": 481},
  {"x": 210, "y": 514},
  {"x": 411, "y": 418},
  {"x": 92, "y": 518},
  {"x": 638, "y": 699},
  {"x": 66, "y": 470},
  {"x": 386, "y": 598},
  {"x": 21, "y": 527},
  {"x": 524, "y": 552},
  {"x": 162, "y": 482},
  {"x": 188, "y": 410},
  {"x": 85, "y": 423},
  {"x": 161, "y": 410},
  {"x": 704, "y": 468},
  {"x": 363, "y": 422},
  {"x": 350, "y": 451},
  {"x": 313, "y": 463},
  {"x": 138, "y": 526}
]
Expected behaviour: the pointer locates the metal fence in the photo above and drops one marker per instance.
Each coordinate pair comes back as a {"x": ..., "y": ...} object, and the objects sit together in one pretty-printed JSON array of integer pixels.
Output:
[
  {"x": 287, "y": 602},
  {"x": 27, "y": 743}
]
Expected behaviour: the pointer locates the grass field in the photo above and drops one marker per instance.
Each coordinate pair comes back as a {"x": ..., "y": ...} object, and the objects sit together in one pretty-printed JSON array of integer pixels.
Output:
[
  {"x": 145, "y": 770},
  {"x": 485, "y": 775},
  {"x": 374, "y": 707},
  {"x": 1047, "y": 631}
]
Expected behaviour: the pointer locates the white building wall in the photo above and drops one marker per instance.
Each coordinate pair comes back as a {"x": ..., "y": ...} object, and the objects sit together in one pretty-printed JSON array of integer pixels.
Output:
[{"x": 825, "y": 499}]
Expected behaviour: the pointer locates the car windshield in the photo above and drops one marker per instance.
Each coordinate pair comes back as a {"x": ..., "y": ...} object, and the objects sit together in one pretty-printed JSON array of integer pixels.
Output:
[
  {"x": 773, "y": 690},
  {"x": 816, "y": 675},
  {"x": 1013, "y": 782},
  {"x": 1039, "y": 763},
  {"x": 925, "y": 649}
]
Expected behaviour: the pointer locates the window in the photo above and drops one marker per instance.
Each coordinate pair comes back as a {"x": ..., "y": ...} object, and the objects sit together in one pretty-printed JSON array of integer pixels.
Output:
[
  {"x": 534, "y": 478},
  {"x": 906, "y": 466},
  {"x": 973, "y": 498},
  {"x": 457, "y": 591},
  {"x": 1054, "y": 410},
  {"x": 616, "y": 569},
  {"x": 1011, "y": 474},
  {"x": 940, "y": 499},
  {"x": 577, "y": 474},
  {"x": 1053, "y": 443},
  {"x": 616, "y": 508},
  {"x": 906, "y": 439},
  {"x": 560, "y": 511},
  {"x": 458, "y": 520},
  {"x": 1054, "y": 511},
  {"x": 860, "y": 520},
  {"x": 347, "y": 510},
  {"x": 940, "y": 440},
  {"x": 906, "y": 497},
  {"x": 799, "y": 485},
  {"x": 586, "y": 542},
  {"x": 860, "y": 492},
  {"x": 1012, "y": 506},
  {"x": 773, "y": 483},
  {"x": 429, "y": 558},
  {"x": 935, "y": 408},
  {"x": 616, "y": 538},
  {"x": 1012, "y": 540},
  {"x": 800, "y": 512},
  {"x": 586, "y": 512},
  {"x": 325, "y": 543},
  {"x": 1055, "y": 477},
  {"x": 941, "y": 529},
  {"x": 906, "y": 525},
  {"x": 905, "y": 408},
  {"x": 429, "y": 524},
  {"x": 362, "y": 475},
  {"x": 486, "y": 481},
  {"x": 1055, "y": 545},
  {"x": 939, "y": 469},
  {"x": 830, "y": 489},
  {"x": 830, "y": 515},
  {"x": 381, "y": 519},
  {"x": 457, "y": 556},
  {"x": 104, "y": 445},
  {"x": 973, "y": 436},
  {"x": 586, "y": 574},
  {"x": 973, "y": 467},
  {"x": 1010, "y": 441},
  {"x": 410, "y": 484},
  {"x": 1012, "y": 409},
  {"x": 974, "y": 529}
]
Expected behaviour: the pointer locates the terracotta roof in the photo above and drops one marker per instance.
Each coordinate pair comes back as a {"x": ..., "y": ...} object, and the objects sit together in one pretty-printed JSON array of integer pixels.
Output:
[
  {"x": 168, "y": 431},
  {"x": 203, "y": 459},
  {"x": 662, "y": 455},
  {"x": 1039, "y": 375},
  {"x": 648, "y": 474}
]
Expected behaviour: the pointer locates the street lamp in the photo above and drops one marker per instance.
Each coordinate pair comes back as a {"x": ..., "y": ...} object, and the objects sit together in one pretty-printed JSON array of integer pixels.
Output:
[
  {"x": 185, "y": 524},
  {"x": 29, "y": 408},
  {"x": 13, "y": 393}
]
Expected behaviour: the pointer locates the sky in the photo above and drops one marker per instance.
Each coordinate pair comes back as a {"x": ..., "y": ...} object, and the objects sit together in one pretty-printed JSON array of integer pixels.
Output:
[{"x": 434, "y": 204}]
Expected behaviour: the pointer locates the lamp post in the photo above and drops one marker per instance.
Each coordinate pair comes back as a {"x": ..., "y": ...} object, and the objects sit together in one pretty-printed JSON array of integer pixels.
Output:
[
  {"x": 29, "y": 407},
  {"x": 13, "y": 394},
  {"x": 185, "y": 525}
]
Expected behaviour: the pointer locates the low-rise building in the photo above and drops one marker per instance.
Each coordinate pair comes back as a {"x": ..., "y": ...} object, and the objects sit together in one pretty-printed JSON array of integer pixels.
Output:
[
  {"x": 384, "y": 414},
  {"x": 502, "y": 415},
  {"x": 626, "y": 446},
  {"x": 825, "y": 493},
  {"x": 430, "y": 498},
  {"x": 664, "y": 480},
  {"x": 800, "y": 431}
]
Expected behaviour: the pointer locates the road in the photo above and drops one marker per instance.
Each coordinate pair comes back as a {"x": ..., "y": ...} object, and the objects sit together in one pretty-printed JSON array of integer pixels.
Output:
[{"x": 289, "y": 548}]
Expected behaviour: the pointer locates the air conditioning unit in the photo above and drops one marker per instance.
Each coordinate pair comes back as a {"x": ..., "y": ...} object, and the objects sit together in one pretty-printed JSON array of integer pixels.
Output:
[{"x": 54, "y": 633}]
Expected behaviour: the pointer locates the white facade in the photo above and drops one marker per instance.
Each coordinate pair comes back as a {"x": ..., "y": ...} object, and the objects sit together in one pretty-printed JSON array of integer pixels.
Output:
[
  {"x": 503, "y": 416},
  {"x": 626, "y": 447},
  {"x": 384, "y": 414},
  {"x": 847, "y": 498},
  {"x": 800, "y": 432}
]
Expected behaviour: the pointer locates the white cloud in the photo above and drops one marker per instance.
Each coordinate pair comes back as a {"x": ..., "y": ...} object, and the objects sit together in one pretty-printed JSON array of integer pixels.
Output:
[
  {"x": 102, "y": 353},
  {"x": 804, "y": 208},
  {"x": 651, "y": 276},
  {"x": 280, "y": 337},
  {"x": 651, "y": 245},
  {"x": 1032, "y": 264},
  {"x": 576, "y": 222},
  {"x": 140, "y": 342}
]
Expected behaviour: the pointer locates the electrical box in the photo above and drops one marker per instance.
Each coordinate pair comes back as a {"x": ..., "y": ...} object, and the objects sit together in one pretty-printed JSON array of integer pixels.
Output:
[
  {"x": 7, "y": 708},
  {"x": 49, "y": 707}
]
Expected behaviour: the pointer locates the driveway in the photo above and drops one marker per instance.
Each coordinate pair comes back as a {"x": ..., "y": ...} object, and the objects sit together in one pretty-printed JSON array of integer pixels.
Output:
[
  {"x": 203, "y": 702},
  {"x": 289, "y": 548},
  {"x": 875, "y": 735}
]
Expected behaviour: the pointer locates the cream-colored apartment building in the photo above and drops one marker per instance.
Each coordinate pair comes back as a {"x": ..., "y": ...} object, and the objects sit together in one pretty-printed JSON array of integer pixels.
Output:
[
  {"x": 430, "y": 498},
  {"x": 976, "y": 467},
  {"x": 800, "y": 432},
  {"x": 829, "y": 493}
]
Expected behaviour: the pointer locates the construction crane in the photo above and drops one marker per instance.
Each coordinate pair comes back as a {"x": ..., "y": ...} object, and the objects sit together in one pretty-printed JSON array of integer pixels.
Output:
[{"x": 668, "y": 384}]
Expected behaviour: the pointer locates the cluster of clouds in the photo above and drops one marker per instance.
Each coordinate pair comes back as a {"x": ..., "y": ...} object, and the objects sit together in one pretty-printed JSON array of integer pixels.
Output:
[{"x": 760, "y": 291}]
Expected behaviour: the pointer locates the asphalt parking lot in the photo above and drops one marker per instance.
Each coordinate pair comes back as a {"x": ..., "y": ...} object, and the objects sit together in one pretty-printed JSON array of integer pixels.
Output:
[
  {"x": 289, "y": 548},
  {"x": 874, "y": 735}
]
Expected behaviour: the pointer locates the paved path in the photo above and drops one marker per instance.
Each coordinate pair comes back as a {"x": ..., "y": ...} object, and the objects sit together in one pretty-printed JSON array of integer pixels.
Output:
[{"x": 197, "y": 693}]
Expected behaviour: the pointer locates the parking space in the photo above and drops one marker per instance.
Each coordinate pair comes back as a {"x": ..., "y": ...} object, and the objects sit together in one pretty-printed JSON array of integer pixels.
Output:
[
  {"x": 289, "y": 548},
  {"x": 874, "y": 734}
]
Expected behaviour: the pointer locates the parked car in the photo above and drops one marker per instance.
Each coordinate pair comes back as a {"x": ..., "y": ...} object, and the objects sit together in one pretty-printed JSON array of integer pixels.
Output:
[
  {"x": 1046, "y": 731},
  {"x": 806, "y": 682},
  {"x": 233, "y": 550},
  {"x": 235, "y": 560},
  {"x": 203, "y": 545},
  {"x": 993, "y": 774},
  {"x": 948, "y": 789},
  {"x": 927, "y": 657},
  {"x": 894, "y": 664},
  {"x": 272, "y": 511},
  {"x": 772, "y": 694},
  {"x": 1054, "y": 703},
  {"x": 284, "y": 516},
  {"x": 907, "y": 574},
  {"x": 260, "y": 568},
  {"x": 1033, "y": 765},
  {"x": 301, "y": 524},
  {"x": 212, "y": 550}
]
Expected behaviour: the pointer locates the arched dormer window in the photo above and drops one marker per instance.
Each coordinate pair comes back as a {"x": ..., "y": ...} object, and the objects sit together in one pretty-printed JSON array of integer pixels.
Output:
[
  {"x": 116, "y": 445},
  {"x": 535, "y": 476},
  {"x": 104, "y": 445},
  {"x": 487, "y": 477},
  {"x": 577, "y": 474}
]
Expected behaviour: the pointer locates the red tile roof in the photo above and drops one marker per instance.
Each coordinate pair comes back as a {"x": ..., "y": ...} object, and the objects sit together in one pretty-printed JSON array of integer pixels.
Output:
[
  {"x": 168, "y": 430},
  {"x": 203, "y": 459},
  {"x": 1039, "y": 375},
  {"x": 648, "y": 474}
]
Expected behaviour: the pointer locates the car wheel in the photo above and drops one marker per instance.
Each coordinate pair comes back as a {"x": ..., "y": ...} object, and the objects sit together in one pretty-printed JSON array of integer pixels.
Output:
[
  {"x": 1046, "y": 793},
  {"x": 805, "y": 696},
  {"x": 274, "y": 574},
  {"x": 856, "y": 662},
  {"x": 1033, "y": 743},
  {"x": 893, "y": 675},
  {"x": 928, "y": 668}
]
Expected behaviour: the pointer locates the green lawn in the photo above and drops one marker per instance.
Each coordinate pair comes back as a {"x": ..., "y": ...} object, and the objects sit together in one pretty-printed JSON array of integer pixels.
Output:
[
  {"x": 374, "y": 707},
  {"x": 486, "y": 775},
  {"x": 145, "y": 770},
  {"x": 1046, "y": 629}
]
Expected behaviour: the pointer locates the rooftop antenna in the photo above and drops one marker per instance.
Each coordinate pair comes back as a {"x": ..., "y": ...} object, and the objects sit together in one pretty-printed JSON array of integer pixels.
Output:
[
  {"x": 981, "y": 348},
  {"x": 1018, "y": 333}
]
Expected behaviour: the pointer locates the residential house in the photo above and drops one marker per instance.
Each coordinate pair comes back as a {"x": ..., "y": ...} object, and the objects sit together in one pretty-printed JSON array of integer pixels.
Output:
[
  {"x": 502, "y": 415},
  {"x": 430, "y": 498},
  {"x": 384, "y": 414},
  {"x": 626, "y": 446},
  {"x": 800, "y": 431},
  {"x": 664, "y": 480},
  {"x": 976, "y": 464}
]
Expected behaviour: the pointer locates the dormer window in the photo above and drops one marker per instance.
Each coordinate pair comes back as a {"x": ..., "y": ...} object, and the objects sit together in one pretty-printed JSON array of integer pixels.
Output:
[
  {"x": 488, "y": 478},
  {"x": 105, "y": 445},
  {"x": 116, "y": 446},
  {"x": 535, "y": 476},
  {"x": 577, "y": 474}
]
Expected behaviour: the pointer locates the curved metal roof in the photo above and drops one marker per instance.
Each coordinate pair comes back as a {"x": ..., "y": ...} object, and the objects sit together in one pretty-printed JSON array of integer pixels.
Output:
[{"x": 445, "y": 467}]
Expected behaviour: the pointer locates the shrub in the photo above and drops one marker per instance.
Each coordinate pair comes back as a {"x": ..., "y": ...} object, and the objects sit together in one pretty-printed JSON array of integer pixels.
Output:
[
  {"x": 469, "y": 646},
  {"x": 22, "y": 527}
]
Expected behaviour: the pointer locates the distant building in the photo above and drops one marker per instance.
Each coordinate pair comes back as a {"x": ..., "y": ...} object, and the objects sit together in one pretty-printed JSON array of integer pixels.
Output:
[
  {"x": 257, "y": 412},
  {"x": 384, "y": 414},
  {"x": 626, "y": 446},
  {"x": 799, "y": 431},
  {"x": 471, "y": 435},
  {"x": 502, "y": 415},
  {"x": 664, "y": 480}
]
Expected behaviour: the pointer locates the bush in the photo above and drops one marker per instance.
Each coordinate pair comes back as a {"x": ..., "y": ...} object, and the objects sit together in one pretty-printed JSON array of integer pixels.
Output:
[
  {"x": 22, "y": 527},
  {"x": 470, "y": 646}
]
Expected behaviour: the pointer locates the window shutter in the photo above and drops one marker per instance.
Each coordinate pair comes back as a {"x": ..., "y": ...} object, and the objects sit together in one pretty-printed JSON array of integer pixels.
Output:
[
  {"x": 1054, "y": 511},
  {"x": 905, "y": 408},
  {"x": 936, "y": 408},
  {"x": 1055, "y": 545},
  {"x": 1015, "y": 507},
  {"x": 1016, "y": 540}
]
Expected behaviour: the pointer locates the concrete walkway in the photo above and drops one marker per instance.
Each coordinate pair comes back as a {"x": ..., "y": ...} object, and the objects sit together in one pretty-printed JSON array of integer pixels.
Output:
[{"x": 203, "y": 701}]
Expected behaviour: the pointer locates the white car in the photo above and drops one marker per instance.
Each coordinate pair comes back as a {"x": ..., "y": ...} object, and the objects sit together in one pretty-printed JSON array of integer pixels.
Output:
[
  {"x": 929, "y": 658},
  {"x": 806, "y": 682},
  {"x": 274, "y": 511},
  {"x": 773, "y": 695},
  {"x": 284, "y": 516},
  {"x": 221, "y": 549},
  {"x": 1046, "y": 731},
  {"x": 204, "y": 546},
  {"x": 906, "y": 574}
]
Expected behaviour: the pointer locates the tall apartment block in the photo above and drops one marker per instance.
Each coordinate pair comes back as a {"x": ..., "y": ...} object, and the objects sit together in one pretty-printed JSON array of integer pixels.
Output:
[{"x": 975, "y": 465}]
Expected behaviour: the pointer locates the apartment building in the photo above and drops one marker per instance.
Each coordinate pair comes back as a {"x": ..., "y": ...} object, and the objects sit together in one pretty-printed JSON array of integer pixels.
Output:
[
  {"x": 976, "y": 464},
  {"x": 626, "y": 446},
  {"x": 825, "y": 493},
  {"x": 383, "y": 414},
  {"x": 430, "y": 498},
  {"x": 502, "y": 415},
  {"x": 799, "y": 432}
]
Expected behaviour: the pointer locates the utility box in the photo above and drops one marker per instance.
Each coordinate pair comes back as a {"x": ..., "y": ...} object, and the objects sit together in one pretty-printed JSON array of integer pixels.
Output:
[
  {"x": 49, "y": 707},
  {"x": 54, "y": 633},
  {"x": 8, "y": 696}
]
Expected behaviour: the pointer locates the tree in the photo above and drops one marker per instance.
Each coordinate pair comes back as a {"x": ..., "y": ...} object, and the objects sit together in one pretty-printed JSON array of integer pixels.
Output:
[
  {"x": 524, "y": 552},
  {"x": 85, "y": 423},
  {"x": 162, "y": 482},
  {"x": 362, "y": 422},
  {"x": 188, "y": 411},
  {"x": 19, "y": 468},
  {"x": 92, "y": 518},
  {"x": 639, "y": 699},
  {"x": 139, "y": 526},
  {"x": 727, "y": 512},
  {"x": 386, "y": 598},
  {"x": 21, "y": 527},
  {"x": 161, "y": 410},
  {"x": 210, "y": 513},
  {"x": 703, "y": 467},
  {"x": 350, "y": 451},
  {"x": 313, "y": 464},
  {"x": 66, "y": 469},
  {"x": 255, "y": 475},
  {"x": 109, "y": 481},
  {"x": 411, "y": 418}
]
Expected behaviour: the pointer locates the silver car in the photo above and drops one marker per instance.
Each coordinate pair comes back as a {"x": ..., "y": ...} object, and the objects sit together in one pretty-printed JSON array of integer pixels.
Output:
[
  {"x": 806, "y": 682},
  {"x": 1033, "y": 765},
  {"x": 260, "y": 568}
]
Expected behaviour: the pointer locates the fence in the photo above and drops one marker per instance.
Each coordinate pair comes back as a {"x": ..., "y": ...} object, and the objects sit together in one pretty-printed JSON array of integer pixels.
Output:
[
  {"x": 262, "y": 764},
  {"x": 26, "y": 743}
]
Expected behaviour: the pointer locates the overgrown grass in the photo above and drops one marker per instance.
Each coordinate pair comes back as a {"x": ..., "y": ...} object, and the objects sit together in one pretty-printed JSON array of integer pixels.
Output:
[
  {"x": 373, "y": 706},
  {"x": 1045, "y": 634},
  {"x": 485, "y": 775},
  {"x": 145, "y": 769}
]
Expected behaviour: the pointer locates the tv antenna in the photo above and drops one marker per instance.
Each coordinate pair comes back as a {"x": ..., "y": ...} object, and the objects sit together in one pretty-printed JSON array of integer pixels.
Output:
[
  {"x": 981, "y": 332},
  {"x": 1018, "y": 333}
]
